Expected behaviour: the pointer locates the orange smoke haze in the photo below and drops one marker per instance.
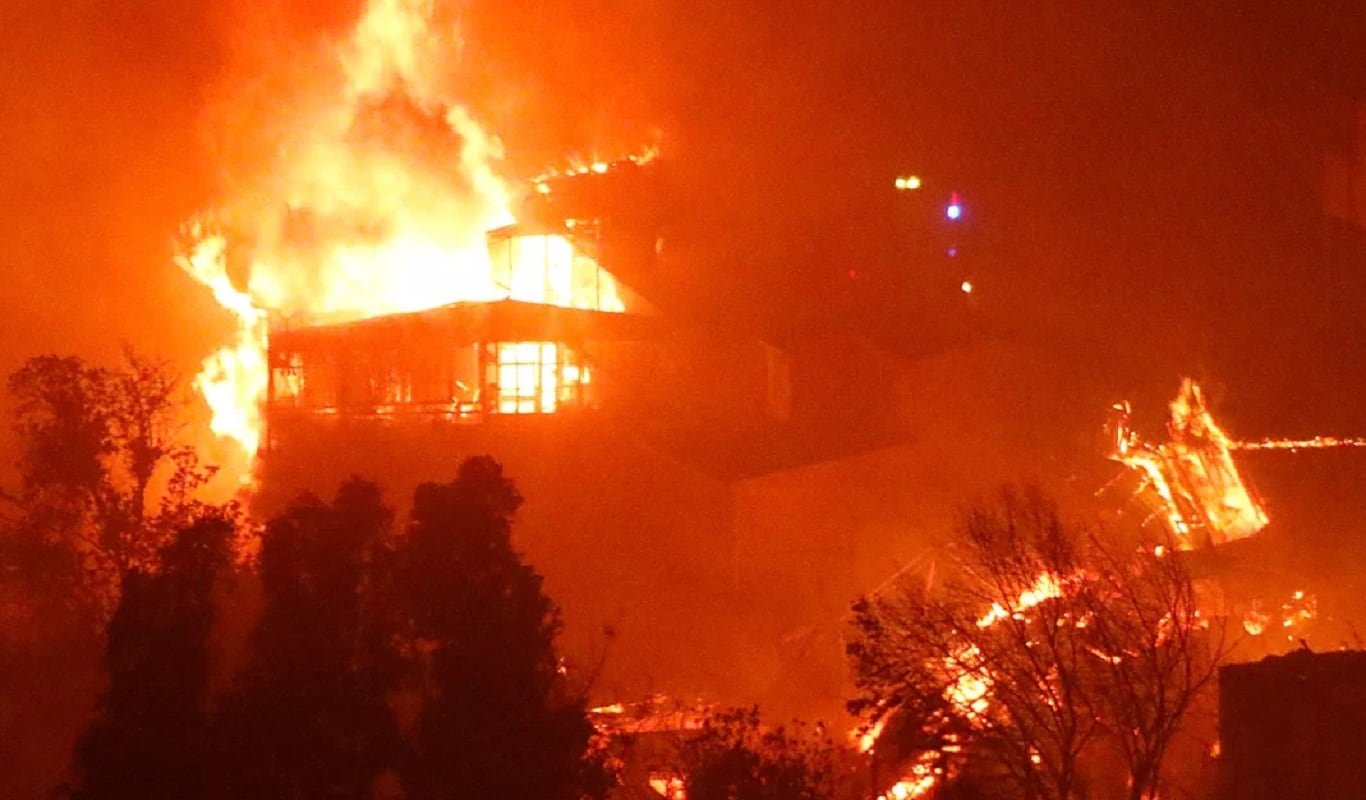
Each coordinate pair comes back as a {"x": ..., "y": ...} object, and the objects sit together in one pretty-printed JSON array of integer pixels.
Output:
[
  {"x": 100, "y": 156},
  {"x": 1132, "y": 221}
]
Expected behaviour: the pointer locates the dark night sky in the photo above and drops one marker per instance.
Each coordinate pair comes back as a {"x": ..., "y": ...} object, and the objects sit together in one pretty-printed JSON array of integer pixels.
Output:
[{"x": 1141, "y": 176}]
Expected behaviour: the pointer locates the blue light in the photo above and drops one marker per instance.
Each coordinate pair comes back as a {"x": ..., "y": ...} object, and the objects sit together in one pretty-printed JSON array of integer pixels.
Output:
[{"x": 954, "y": 211}]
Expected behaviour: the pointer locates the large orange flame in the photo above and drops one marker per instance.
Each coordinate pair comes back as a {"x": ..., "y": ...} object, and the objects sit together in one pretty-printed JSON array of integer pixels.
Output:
[
  {"x": 232, "y": 380},
  {"x": 377, "y": 189},
  {"x": 1193, "y": 474}
]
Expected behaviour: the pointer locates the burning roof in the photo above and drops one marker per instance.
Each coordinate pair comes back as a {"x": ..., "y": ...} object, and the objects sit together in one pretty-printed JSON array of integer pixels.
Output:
[{"x": 1197, "y": 490}]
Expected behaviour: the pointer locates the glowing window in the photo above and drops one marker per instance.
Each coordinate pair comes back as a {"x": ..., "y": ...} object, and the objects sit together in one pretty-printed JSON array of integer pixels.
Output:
[
  {"x": 536, "y": 377},
  {"x": 287, "y": 380},
  {"x": 548, "y": 269}
]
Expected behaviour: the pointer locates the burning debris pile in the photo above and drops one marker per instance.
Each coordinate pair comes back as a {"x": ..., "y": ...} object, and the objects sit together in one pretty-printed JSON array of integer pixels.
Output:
[
  {"x": 656, "y": 714},
  {"x": 1190, "y": 494},
  {"x": 645, "y": 736},
  {"x": 1044, "y": 644},
  {"x": 1192, "y": 484},
  {"x": 1297, "y": 610}
]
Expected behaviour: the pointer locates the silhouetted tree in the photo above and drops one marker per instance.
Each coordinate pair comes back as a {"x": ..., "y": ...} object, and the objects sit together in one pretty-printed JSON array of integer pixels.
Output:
[
  {"x": 995, "y": 642},
  {"x": 149, "y": 738},
  {"x": 1164, "y": 655},
  {"x": 496, "y": 719},
  {"x": 308, "y": 717},
  {"x": 1046, "y": 642},
  {"x": 93, "y": 439},
  {"x": 733, "y": 758},
  {"x": 104, "y": 486},
  {"x": 50, "y": 653}
]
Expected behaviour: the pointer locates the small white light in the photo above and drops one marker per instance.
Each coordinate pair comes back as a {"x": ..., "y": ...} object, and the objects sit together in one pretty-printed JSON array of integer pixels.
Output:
[{"x": 966, "y": 286}]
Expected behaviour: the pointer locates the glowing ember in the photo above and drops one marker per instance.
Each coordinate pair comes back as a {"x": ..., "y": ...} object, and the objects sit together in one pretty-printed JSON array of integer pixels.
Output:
[
  {"x": 596, "y": 166},
  {"x": 615, "y": 708},
  {"x": 919, "y": 780},
  {"x": 656, "y": 714},
  {"x": 1255, "y": 621},
  {"x": 971, "y": 685},
  {"x": 866, "y": 739},
  {"x": 969, "y": 690},
  {"x": 668, "y": 786},
  {"x": 1299, "y": 609},
  {"x": 374, "y": 197},
  {"x": 1045, "y": 588}
]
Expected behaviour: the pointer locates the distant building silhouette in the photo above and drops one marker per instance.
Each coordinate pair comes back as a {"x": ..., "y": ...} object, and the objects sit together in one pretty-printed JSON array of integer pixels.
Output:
[{"x": 1294, "y": 726}]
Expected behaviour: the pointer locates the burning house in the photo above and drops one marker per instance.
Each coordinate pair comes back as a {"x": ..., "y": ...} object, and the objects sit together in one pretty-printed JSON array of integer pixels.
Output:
[
  {"x": 568, "y": 337},
  {"x": 400, "y": 306},
  {"x": 625, "y": 422},
  {"x": 525, "y": 350},
  {"x": 703, "y": 498}
]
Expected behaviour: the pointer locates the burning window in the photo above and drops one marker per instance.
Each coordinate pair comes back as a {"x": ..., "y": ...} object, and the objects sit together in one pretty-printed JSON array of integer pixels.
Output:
[
  {"x": 535, "y": 377},
  {"x": 287, "y": 380},
  {"x": 668, "y": 785},
  {"x": 547, "y": 268}
]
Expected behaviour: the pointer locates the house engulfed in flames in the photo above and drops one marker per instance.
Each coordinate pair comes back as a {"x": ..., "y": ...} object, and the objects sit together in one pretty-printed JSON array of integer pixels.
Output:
[{"x": 576, "y": 338}]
